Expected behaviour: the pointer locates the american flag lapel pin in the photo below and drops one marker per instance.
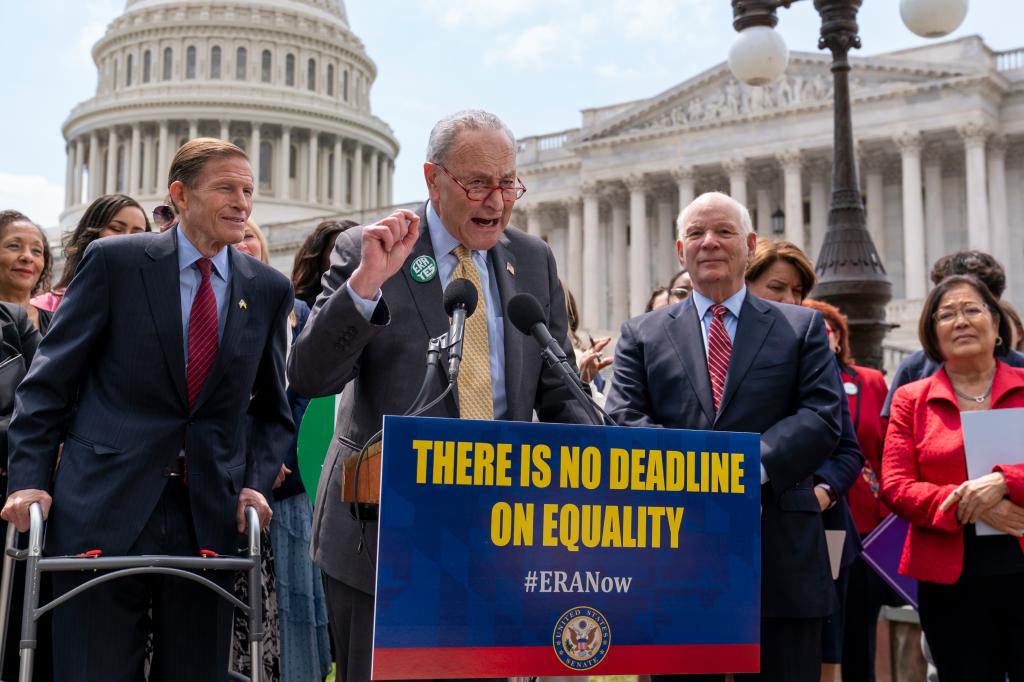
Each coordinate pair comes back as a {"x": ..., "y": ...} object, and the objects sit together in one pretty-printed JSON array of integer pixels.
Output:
[
  {"x": 242, "y": 305},
  {"x": 511, "y": 268}
]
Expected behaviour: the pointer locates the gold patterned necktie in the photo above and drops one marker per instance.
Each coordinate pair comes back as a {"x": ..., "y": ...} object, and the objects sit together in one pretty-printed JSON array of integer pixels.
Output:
[{"x": 476, "y": 400}]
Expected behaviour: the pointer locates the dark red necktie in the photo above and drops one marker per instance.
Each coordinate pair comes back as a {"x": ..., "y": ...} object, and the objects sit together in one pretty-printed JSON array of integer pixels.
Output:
[
  {"x": 719, "y": 352},
  {"x": 202, "y": 334}
]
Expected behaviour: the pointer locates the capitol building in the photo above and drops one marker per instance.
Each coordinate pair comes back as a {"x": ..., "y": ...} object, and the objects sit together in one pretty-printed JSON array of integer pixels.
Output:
[
  {"x": 940, "y": 133},
  {"x": 285, "y": 80}
]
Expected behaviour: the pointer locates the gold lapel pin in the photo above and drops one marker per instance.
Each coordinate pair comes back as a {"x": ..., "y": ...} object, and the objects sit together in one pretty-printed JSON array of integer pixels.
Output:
[
  {"x": 242, "y": 305},
  {"x": 511, "y": 269}
]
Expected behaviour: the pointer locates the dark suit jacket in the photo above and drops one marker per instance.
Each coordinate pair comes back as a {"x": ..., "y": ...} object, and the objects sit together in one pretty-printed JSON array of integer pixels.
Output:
[
  {"x": 380, "y": 363},
  {"x": 110, "y": 374},
  {"x": 783, "y": 384},
  {"x": 19, "y": 338}
]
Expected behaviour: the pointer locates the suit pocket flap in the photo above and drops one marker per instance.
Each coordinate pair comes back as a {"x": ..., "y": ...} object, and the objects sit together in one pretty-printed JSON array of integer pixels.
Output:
[
  {"x": 98, "y": 448},
  {"x": 799, "y": 499}
]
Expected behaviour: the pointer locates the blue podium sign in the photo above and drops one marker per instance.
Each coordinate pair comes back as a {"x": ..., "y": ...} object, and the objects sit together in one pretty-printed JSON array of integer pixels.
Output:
[{"x": 521, "y": 549}]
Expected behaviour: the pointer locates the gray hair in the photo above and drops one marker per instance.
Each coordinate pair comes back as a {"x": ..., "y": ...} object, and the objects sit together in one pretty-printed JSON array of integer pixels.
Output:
[
  {"x": 443, "y": 135},
  {"x": 746, "y": 224}
]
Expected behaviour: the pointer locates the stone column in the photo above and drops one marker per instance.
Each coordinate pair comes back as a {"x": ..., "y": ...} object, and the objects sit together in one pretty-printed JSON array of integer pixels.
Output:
[
  {"x": 820, "y": 172},
  {"x": 69, "y": 175},
  {"x": 193, "y": 129},
  {"x": 79, "y": 168},
  {"x": 935, "y": 238},
  {"x": 997, "y": 209},
  {"x": 764, "y": 179},
  {"x": 591, "y": 292},
  {"x": 574, "y": 248},
  {"x": 339, "y": 166},
  {"x": 791, "y": 162},
  {"x": 737, "y": 170},
  {"x": 533, "y": 219},
  {"x": 686, "y": 179},
  {"x": 255, "y": 157},
  {"x": 391, "y": 182},
  {"x": 164, "y": 160},
  {"x": 94, "y": 167},
  {"x": 284, "y": 164},
  {"x": 134, "y": 165},
  {"x": 665, "y": 259},
  {"x": 110, "y": 186},
  {"x": 619, "y": 257},
  {"x": 978, "y": 234},
  {"x": 357, "y": 177},
  {"x": 374, "y": 183},
  {"x": 910, "y": 144},
  {"x": 873, "y": 164},
  {"x": 149, "y": 164},
  {"x": 639, "y": 244},
  {"x": 225, "y": 131},
  {"x": 314, "y": 166}
]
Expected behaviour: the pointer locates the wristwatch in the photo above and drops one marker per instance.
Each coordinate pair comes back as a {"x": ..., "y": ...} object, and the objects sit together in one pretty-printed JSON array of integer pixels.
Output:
[{"x": 832, "y": 497}]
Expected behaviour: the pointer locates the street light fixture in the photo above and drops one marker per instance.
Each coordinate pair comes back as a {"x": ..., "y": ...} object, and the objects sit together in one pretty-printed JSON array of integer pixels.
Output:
[
  {"x": 778, "y": 222},
  {"x": 850, "y": 274}
]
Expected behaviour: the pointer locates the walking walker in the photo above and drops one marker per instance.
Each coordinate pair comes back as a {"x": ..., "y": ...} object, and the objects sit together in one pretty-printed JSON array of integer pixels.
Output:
[{"x": 177, "y": 566}]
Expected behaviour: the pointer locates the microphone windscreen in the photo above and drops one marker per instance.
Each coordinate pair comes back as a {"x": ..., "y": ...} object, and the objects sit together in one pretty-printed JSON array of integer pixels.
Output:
[
  {"x": 525, "y": 311},
  {"x": 460, "y": 292}
]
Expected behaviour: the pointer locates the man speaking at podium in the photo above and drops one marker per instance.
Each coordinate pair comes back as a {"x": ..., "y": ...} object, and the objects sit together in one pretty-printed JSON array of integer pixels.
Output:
[
  {"x": 382, "y": 303},
  {"x": 725, "y": 360}
]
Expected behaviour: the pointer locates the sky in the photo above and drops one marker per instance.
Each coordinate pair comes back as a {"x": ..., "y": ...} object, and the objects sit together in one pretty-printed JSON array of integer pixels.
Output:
[{"x": 535, "y": 63}]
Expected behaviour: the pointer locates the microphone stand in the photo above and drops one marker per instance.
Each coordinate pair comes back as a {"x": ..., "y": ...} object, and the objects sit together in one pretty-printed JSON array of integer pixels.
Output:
[{"x": 598, "y": 417}]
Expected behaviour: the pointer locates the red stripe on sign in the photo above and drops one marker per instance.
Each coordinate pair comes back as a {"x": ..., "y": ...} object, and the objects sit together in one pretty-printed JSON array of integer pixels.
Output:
[{"x": 528, "y": 661}]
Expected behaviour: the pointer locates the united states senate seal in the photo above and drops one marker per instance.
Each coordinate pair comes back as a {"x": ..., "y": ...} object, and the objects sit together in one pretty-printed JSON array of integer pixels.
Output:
[{"x": 582, "y": 638}]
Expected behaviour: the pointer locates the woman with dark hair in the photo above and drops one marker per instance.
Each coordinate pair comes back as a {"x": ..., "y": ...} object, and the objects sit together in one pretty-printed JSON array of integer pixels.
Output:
[
  {"x": 25, "y": 265},
  {"x": 779, "y": 271},
  {"x": 970, "y": 585},
  {"x": 658, "y": 299},
  {"x": 313, "y": 259},
  {"x": 110, "y": 215},
  {"x": 680, "y": 287},
  {"x": 866, "y": 592}
]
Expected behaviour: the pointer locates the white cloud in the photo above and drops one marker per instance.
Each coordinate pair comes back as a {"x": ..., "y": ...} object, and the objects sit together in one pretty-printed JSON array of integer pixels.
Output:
[
  {"x": 484, "y": 14},
  {"x": 661, "y": 20},
  {"x": 33, "y": 195},
  {"x": 533, "y": 48}
]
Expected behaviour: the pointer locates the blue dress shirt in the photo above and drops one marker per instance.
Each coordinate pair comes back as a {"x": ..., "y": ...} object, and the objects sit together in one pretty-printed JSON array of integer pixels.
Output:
[
  {"x": 189, "y": 279},
  {"x": 734, "y": 303}
]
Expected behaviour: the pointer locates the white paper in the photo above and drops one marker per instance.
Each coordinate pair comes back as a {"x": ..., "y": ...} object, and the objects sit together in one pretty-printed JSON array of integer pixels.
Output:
[
  {"x": 835, "y": 539},
  {"x": 992, "y": 437}
]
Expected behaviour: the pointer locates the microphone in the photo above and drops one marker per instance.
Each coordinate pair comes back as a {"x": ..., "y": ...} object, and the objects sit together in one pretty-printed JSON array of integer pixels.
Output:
[
  {"x": 460, "y": 298},
  {"x": 527, "y": 315}
]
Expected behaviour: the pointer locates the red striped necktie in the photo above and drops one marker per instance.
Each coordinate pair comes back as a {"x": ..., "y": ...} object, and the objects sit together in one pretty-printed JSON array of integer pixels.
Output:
[
  {"x": 719, "y": 352},
  {"x": 202, "y": 334}
]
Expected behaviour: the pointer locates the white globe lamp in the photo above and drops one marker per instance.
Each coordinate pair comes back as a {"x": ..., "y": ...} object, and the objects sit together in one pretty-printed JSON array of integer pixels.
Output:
[
  {"x": 759, "y": 55},
  {"x": 933, "y": 18}
]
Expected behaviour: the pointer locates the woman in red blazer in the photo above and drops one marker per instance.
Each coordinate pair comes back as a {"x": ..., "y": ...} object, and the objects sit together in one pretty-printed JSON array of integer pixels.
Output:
[{"x": 971, "y": 587}]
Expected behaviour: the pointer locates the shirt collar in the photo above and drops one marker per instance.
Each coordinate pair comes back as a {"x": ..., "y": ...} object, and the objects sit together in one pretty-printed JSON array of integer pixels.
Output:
[
  {"x": 440, "y": 238},
  {"x": 734, "y": 303},
  {"x": 189, "y": 254}
]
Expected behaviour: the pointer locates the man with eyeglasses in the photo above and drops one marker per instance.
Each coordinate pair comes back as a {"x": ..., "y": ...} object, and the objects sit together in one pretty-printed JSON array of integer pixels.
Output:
[{"x": 382, "y": 303}]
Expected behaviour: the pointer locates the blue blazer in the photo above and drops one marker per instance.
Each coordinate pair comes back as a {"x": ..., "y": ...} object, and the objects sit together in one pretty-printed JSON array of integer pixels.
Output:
[
  {"x": 109, "y": 380},
  {"x": 783, "y": 383}
]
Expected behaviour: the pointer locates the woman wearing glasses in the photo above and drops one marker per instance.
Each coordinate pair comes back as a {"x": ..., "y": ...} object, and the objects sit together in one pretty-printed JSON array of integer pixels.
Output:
[
  {"x": 971, "y": 587},
  {"x": 110, "y": 215}
]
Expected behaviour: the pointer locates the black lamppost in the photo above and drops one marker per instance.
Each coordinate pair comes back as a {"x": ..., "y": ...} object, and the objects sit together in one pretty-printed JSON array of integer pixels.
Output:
[
  {"x": 778, "y": 223},
  {"x": 850, "y": 274}
]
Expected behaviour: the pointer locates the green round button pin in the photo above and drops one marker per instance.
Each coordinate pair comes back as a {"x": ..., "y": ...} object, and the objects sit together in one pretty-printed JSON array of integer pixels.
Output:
[{"x": 423, "y": 269}]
